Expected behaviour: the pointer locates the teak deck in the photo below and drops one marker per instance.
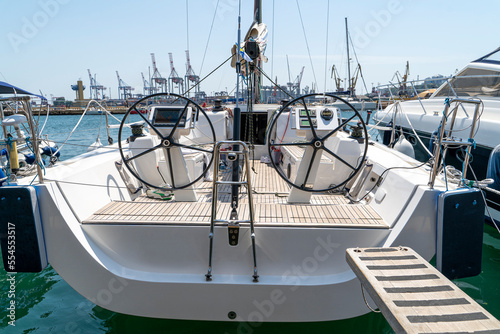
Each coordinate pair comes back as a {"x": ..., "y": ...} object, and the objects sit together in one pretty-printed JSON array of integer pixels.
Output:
[
  {"x": 270, "y": 207},
  {"x": 415, "y": 297}
]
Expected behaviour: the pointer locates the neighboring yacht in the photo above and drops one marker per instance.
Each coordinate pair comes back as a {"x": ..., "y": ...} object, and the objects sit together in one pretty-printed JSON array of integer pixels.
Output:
[
  {"x": 18, "y": 128},
  {"x": 480, "y": 79}
]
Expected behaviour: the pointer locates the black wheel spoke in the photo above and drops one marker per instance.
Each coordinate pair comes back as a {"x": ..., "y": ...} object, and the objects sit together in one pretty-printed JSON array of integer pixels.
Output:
[
  {"x": 339, "y": 158},
  {"x": 142, "y": 153},
  {"x": 309, "y": 119},
  {"x": 338, "y": 128},
  {"x": 292, "y": 144},
  {"x": 149, "y": 123},
  {"x": 179, "y": 120},
  {"x": 171, "y": 170},
  {"x": 309, "y": 168},
  {"x": 193, "y": 148}
]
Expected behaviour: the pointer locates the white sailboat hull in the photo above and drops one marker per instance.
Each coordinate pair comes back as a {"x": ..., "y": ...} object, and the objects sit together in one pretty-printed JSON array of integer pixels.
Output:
[{"x": 158, "y": 270}]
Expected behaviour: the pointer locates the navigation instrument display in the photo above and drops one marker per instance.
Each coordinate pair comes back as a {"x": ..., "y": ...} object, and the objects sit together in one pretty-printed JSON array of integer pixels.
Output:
[{"x": 168, "y": 117}]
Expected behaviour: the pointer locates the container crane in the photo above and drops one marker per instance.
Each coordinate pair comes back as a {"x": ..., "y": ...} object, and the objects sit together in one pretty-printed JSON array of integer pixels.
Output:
[
  {"x": 191, "y": 77},
  {"x": 147, "y": 89},
  {"x": 174, "y": 79},
  {"x": 160, "y": 83},
  {"x": 289, "y": 83},
  {"x": 124, "y": 90},
  {"x": 96, "y": 89},
  {"x": 294, "y": 87}
]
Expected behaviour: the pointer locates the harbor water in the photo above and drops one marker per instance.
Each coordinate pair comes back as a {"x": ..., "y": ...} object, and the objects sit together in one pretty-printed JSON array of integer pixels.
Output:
[{"x": 44, "y": 303}]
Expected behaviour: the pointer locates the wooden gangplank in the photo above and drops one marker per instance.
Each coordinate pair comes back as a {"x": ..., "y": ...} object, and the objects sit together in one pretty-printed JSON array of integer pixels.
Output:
[{"x": 415, "y": 297}]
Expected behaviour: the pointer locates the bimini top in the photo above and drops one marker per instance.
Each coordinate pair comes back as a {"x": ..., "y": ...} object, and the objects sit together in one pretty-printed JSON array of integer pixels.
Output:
[
  {"x": 492, "y": 57},
  {"x": 6, "y": 88}
]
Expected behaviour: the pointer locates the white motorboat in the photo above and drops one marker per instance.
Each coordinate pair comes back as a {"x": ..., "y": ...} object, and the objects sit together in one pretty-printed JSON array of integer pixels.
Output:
[
  {"x": 95, "y": 111},
  {"x": 420, "y": 118},
  {"x": 182, "y": 219}
]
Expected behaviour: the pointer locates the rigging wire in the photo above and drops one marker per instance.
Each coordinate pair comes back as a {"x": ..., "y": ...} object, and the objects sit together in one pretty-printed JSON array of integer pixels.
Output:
[
  {"x": 80, "y": 119},
  {"x": 208, "y": 39},
  {"x": 360, "y": 72},
  {"x": 326, "y": 50},
  {"x": 209, "y": 74},
  {"x": 381, "y": 178},
  {"x": 272, "y": 46},
  {"x": 187, "y": 25},
  {"x": 307, "y": 44},
  {"x": 485, "y": 201},
  {"x": 274, "y": 83}
]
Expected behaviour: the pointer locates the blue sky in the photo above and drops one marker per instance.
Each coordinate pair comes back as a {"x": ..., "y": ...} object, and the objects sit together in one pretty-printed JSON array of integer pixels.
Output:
[{"x": 48, "y": 45}]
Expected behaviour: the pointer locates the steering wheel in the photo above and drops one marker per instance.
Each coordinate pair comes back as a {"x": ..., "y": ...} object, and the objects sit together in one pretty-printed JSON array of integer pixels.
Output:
[
  {"x": 167, "y": 142},
  {"x": 317, "y": 142}
]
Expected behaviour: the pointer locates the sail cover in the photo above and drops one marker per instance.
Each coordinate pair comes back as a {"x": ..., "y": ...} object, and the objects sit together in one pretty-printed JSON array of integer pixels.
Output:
[
  {"x": 258, "y": 33},
  {"x": 6, "y": 88}
]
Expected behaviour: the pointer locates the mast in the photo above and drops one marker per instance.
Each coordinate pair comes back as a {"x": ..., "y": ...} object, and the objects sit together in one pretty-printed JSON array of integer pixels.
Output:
[
  {"x": 348, "y": 59},
  {"x": 236, "y": 121},
  {"x": 257, "y": 11},
  {"x": 237, "y": 111},
  {"x": 257, "y": 82}
]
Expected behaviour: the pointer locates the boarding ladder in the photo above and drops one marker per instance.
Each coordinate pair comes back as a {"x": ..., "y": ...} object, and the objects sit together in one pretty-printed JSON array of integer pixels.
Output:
[
  {"x": 445, "y": 136},
  {"x": 236, "y": 149}
]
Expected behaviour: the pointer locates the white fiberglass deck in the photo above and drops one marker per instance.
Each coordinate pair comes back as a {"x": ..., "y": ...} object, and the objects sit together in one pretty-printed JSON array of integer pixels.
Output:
[{"x": 270, "y": 194}]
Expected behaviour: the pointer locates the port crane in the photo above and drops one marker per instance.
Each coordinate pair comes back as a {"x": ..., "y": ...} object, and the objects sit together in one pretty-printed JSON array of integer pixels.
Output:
[
  {"x": 294, "y": 87},
  {"x": 147, "y": 89},
  {"x": 191, "y": 77},
  {"x": 96, "y": 89},
  {"x": 337, "y": 79},
  {"x": 124, "y": 90},
  {"x": 354, "y": 80},
  {"x": 159, "y": 83},
  {"x": 402, "y": 79},
  {"x": 174, "y": 80}
]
